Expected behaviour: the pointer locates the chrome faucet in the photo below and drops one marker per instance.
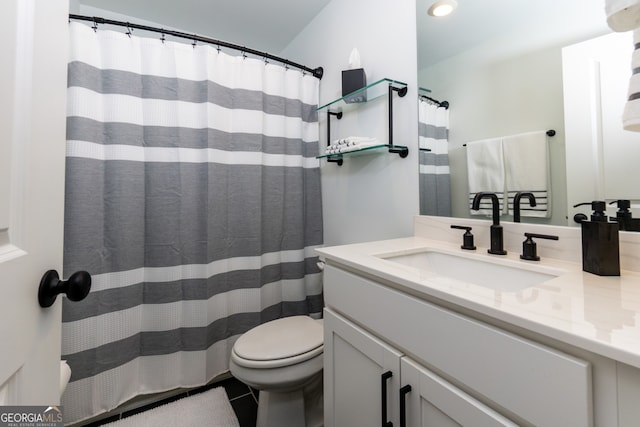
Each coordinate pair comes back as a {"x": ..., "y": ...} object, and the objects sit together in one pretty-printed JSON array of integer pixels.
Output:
[
  {"x": 516, "y": 203},
  {"x": 497, "y": 241}
]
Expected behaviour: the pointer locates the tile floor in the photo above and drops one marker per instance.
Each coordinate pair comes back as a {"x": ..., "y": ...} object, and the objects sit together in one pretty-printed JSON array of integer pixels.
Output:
[{"x": 244, "y": 401}]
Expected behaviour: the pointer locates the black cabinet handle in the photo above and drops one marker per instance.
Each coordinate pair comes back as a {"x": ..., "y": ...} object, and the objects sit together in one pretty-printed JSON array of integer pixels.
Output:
[
  {"x": 76, "y": 288},
  {"x": 383, "y": 387},
  {"x": 403, "y": 405}
]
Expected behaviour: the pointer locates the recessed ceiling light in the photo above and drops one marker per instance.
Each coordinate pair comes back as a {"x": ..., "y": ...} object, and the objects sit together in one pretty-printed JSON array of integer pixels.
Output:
[{"x": 442, "y": 7}]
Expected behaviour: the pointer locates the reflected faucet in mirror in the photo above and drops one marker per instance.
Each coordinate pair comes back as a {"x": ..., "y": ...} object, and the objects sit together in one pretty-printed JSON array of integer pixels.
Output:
[
  {"x": 516, "y": 203},
  {"x": 497, "y": 240}
]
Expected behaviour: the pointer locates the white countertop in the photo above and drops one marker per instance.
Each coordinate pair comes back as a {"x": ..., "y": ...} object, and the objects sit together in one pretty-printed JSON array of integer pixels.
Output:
[{"x": 598, "y": 314}]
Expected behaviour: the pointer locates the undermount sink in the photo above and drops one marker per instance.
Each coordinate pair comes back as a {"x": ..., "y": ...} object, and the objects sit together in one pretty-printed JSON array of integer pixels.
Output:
[{"x": 466, "y": 269}]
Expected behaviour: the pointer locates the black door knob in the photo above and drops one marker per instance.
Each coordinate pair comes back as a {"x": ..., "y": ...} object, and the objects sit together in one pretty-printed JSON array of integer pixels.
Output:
[{"x": 76, "y": 288}]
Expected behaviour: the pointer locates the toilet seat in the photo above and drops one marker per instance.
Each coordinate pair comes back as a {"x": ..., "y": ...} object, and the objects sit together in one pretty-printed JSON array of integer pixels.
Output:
[{"x": 280, "y": 342}]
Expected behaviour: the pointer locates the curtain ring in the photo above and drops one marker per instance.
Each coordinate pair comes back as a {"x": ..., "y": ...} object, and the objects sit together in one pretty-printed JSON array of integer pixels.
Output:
[
  {"x": 129, "y": 30},
  {"x": 95, "y": 26},
  {"x": 194, "y": 43},
  {"x": 162, "y": 37}
]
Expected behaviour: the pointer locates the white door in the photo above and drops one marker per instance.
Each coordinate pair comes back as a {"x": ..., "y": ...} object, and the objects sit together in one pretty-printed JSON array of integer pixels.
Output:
[{"x": 32, "y": 147}]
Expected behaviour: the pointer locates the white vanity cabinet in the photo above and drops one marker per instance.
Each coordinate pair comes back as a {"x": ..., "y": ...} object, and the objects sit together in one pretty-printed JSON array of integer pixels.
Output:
[
  {"x": 369, "y": 383},
  {"x": 461, "y": 371}
]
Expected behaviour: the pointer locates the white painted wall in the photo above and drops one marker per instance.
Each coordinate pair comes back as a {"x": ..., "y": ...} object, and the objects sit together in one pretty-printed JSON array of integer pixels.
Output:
[{"x": 372, "y": 197}]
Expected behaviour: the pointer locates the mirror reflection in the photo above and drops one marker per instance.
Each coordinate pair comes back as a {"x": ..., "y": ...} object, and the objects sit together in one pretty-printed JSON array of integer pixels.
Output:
[{"x": 499, "y": 67}]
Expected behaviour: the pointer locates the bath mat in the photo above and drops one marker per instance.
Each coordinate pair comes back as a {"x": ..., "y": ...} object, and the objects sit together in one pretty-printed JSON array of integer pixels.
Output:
[{"x": 210, "y": 408}]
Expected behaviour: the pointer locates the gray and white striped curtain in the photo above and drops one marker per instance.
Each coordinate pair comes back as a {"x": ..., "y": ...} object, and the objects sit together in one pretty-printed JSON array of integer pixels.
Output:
[
  {"x": 435, "y": 177},
  {"x": 193, "y": 198}
]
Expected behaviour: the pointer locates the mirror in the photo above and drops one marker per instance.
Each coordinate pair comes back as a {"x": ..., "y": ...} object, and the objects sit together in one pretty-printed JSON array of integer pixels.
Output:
[{"x": 499, "y": 66}]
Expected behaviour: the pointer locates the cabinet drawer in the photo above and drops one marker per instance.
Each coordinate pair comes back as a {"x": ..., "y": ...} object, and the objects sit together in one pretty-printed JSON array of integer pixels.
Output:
[{"x": 539, "y": 384}]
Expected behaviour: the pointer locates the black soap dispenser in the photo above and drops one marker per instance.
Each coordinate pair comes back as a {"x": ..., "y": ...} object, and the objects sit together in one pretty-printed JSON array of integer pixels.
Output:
[
  {"x": 600, "y": 242},
  {"x": 624, "y": 218}
]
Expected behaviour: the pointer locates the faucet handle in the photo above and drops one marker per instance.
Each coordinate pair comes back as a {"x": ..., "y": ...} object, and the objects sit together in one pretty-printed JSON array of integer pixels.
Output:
[
  {"x": 467, "y": 237},
  {"x": 529, "y": 247}
]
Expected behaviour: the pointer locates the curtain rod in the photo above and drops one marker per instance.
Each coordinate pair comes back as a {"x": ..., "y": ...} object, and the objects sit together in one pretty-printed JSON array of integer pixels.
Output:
[
  {"x": 443, "y": 104},
  {"x": 316, "y": 72}
]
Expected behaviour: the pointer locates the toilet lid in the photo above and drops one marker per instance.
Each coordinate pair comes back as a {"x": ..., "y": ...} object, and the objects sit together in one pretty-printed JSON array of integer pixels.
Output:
[{"x": 280, "y": 339}]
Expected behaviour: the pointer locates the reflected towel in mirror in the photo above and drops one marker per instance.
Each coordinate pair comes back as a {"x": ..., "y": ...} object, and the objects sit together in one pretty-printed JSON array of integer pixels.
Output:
[
  {"x": 631, "y": 114},
  {"x": 485, "y": 167},
  {"x": 526, "y": 164}
]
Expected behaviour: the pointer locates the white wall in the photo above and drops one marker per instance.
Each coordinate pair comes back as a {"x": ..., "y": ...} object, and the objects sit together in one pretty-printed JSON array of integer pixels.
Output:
[{"x": 372, "y": 197}]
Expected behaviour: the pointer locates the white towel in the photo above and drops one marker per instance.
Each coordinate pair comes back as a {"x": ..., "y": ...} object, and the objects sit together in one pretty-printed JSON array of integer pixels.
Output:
[
  {"x": 351, "y": 143},
  {"x": 485, "y": 167},
  {"x": 526, "y": 162},
  {"x": 623, "y": 15},
  {"x": 631, "y": 114}
]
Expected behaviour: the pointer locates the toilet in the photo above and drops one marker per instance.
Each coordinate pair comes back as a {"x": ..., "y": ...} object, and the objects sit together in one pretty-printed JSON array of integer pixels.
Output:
[{"x": 283, "y": 359}]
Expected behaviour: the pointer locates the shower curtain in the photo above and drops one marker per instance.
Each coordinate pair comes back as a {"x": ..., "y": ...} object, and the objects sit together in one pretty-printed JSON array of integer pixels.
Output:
[
  {"x": 193, "y": 198},
  {"x": 435, "y": 178}
]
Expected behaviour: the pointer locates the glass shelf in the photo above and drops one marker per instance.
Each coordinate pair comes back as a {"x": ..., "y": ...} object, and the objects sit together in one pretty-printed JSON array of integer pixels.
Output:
[
  {"x": 399, "y": 149},
  {"x": 373, "y": 91}
]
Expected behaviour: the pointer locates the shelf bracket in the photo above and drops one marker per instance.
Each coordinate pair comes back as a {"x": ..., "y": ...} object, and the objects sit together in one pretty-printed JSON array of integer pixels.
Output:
[
  {"x": 338, "y": 115},
  {"x": 404, "y": 151},
  {"x": 337, "y": 160},
  {"x": 401, "y": 151}
]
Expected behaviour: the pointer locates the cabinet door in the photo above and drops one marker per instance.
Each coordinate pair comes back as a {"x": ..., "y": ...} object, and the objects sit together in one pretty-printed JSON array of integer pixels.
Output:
[
  {"x": 435, "y": 402},
  {"x": 354, "y": 366}
]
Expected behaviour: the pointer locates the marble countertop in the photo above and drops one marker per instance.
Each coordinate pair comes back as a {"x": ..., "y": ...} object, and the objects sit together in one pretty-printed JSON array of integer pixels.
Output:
[{"x": 598, "y": 314}]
